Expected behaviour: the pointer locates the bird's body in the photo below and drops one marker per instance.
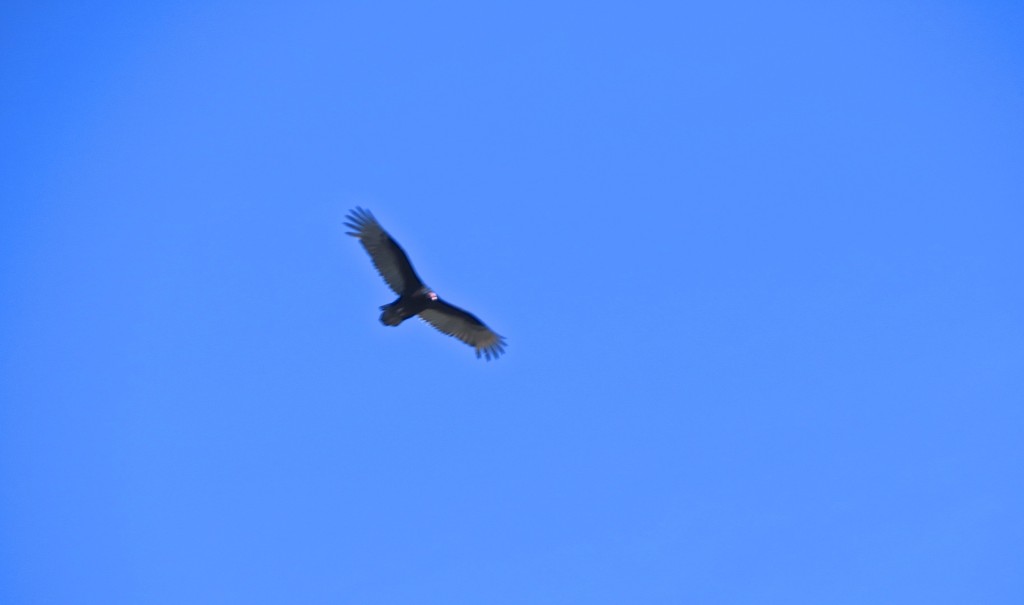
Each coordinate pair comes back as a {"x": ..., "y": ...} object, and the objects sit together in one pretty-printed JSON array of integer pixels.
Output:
[
  {"x": 414, "y": 298},
  {"x": 405, "y": 307}
]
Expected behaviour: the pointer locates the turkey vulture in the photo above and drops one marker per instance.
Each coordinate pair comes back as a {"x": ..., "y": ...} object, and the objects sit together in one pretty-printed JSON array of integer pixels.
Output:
[{"x": 414, "y": 298}]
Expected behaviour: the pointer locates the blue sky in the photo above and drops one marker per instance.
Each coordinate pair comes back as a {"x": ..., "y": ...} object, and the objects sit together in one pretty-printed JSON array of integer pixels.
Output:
[{"x": 758, "y": 265}]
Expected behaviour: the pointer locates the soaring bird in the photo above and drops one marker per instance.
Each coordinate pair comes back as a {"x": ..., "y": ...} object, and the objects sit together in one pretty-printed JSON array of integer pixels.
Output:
[{"x": 414, "y": 298}]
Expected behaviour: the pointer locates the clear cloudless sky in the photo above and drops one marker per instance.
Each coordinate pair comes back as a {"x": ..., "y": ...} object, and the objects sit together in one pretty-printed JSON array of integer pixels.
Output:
[{"x": 759, "y": 265}]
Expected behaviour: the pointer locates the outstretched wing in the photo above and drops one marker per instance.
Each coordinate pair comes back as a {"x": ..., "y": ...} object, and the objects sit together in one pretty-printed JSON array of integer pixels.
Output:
[
  {"x": 387, "y": 256},
  {"x": 465, "y": 326}
]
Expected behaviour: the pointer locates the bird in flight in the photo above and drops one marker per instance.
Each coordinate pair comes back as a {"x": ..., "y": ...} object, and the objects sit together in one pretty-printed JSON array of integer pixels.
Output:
[{"x": 414, "y": 298}]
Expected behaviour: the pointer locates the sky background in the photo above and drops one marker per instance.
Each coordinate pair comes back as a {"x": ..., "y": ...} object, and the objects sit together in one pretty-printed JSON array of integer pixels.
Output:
[{"x": 758, "y": 265}]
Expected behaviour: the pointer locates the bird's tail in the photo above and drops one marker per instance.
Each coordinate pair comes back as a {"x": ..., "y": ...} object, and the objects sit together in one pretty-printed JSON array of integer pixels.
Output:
[{"x": 391, "y": 316}]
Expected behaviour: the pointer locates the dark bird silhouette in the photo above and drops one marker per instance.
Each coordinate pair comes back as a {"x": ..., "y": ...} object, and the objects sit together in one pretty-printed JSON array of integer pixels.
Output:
[{"x": 414, "y": 298}]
